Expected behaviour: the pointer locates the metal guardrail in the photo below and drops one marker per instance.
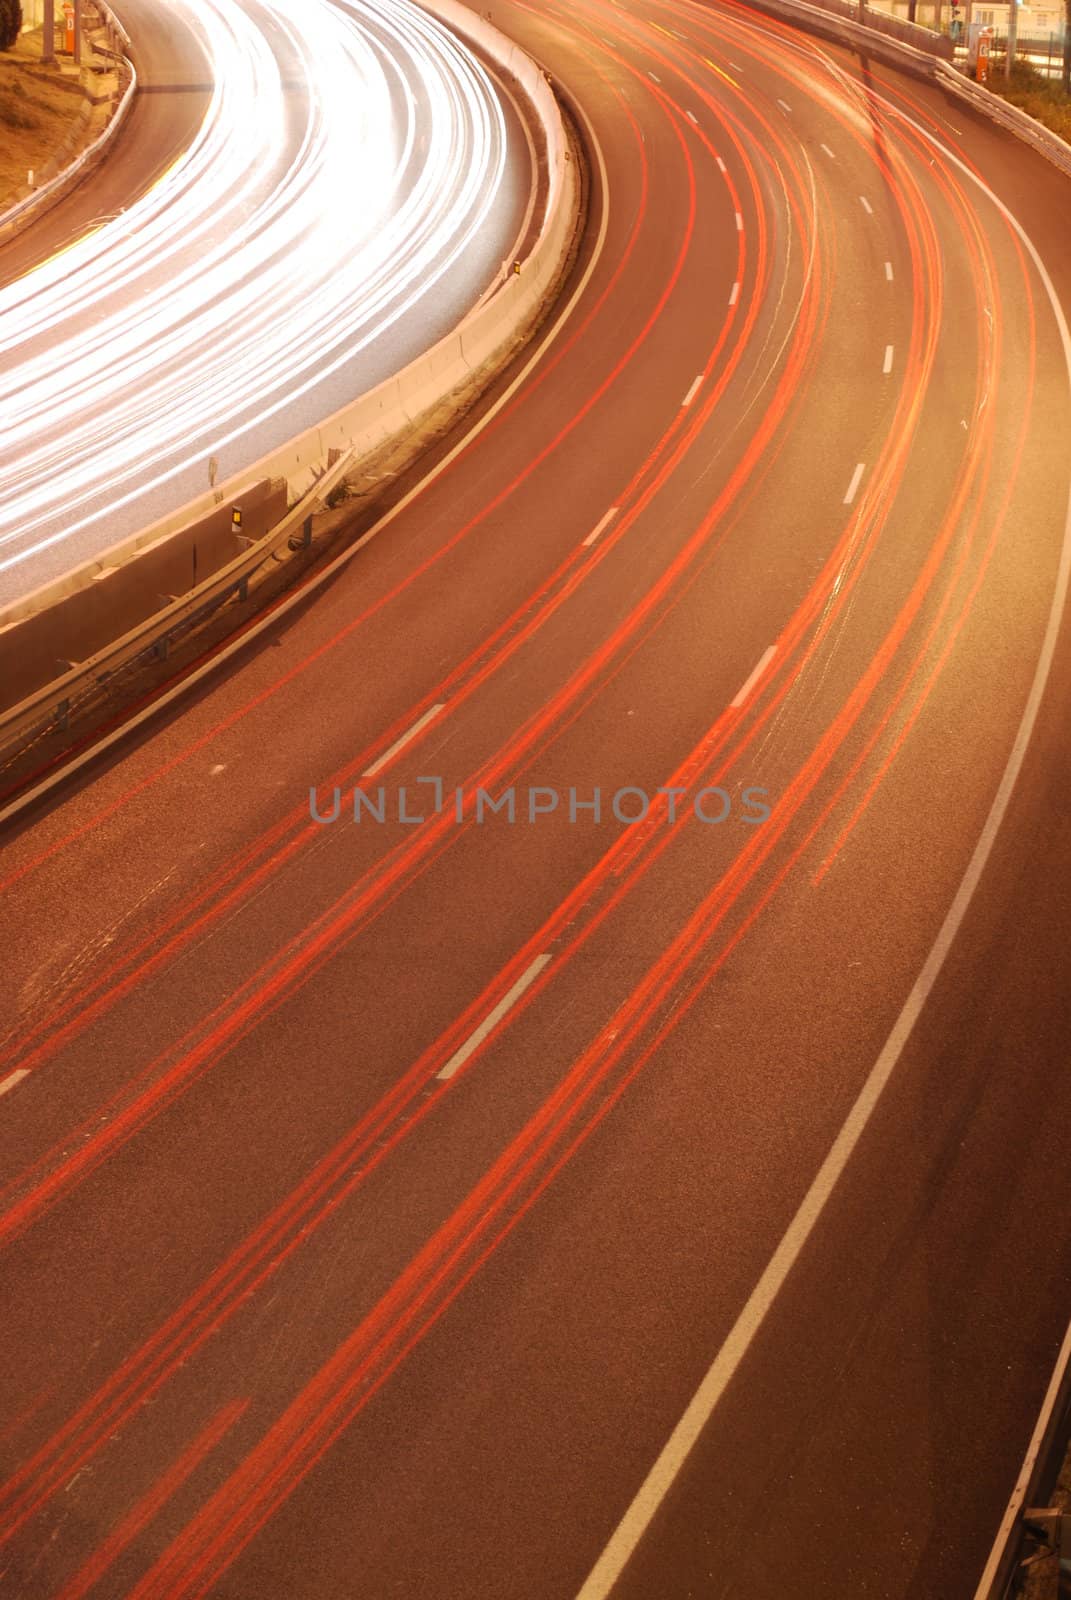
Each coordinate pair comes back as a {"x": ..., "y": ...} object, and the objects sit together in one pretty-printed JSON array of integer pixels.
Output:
[
  {"x": 69, "y": 175},
  {"x": 51, "y": 705},
  {"x": 111, "y": 23},
  {"x": 1026, "y": 128},
  {"x": 384, "y": 414},
  {"x": 899, "y": 28},
  {"x": 1033, "y": 1486}
]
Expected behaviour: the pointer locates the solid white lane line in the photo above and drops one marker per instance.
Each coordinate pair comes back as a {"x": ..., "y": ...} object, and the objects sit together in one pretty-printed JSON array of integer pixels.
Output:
[
  {"x": 764, "y": 661},
  {"x": 690, "y": 396},
  {"x": 721, "y": 163},
  {"x": 692, "y": 117},
  {"x": 602, "y": 526},
  {"x": 828, "y": 151},
  {"x": 887, "y": 366},
  {"x": 704, "y": 1402},
  {"x": 13, "y": 1078},
  {"x": 735, "y": 295},
  {"x": 399, "y": 744},
  {"x": 888, "y": 270},
  {"x": 739, "y": 223},
  {"x": 857, "y": 476},
  {"x": 785, "y": 106},
  {"x": 867, "y": 207},
  {"x": 493, "y": 1018}
]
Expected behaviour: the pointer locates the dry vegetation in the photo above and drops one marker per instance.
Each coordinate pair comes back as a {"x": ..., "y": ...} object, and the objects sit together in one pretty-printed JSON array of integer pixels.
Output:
[
  {"x": 36, "y": 114},
  {"x": 1038, "y": 96}
]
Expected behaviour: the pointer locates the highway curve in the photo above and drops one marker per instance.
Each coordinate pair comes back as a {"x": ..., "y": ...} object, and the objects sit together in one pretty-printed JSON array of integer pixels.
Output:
[
  {"x": 379, "y": 1196},
  {"x": 352, "y": 184}
]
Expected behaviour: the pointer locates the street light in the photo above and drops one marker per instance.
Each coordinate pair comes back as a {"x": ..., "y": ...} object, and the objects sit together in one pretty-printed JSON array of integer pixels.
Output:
[{"x": 1013, "y": 37}]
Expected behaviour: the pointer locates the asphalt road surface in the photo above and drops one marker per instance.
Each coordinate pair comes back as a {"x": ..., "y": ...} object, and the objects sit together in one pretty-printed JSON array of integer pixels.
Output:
[
  {"x": 294, "y": 212},
  {"x": 379, "y": 1196}
]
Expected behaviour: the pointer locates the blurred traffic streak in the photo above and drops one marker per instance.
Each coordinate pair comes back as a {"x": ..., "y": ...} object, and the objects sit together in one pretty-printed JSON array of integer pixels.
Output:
[
  {"x": 348, "y": 195},
  {"x": 376, "y": 1196}
]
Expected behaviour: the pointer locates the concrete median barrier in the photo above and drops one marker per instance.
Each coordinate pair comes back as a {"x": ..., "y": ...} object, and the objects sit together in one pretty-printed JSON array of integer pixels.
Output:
[{"x": 75, "y": 616}]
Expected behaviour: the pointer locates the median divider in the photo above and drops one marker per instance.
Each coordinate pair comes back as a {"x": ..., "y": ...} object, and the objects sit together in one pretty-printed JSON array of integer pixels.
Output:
[{"x": 59, "y": 644}]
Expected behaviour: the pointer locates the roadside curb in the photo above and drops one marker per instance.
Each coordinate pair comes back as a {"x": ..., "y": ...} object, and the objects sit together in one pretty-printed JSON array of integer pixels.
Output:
[{"x": 78, "y": 617}]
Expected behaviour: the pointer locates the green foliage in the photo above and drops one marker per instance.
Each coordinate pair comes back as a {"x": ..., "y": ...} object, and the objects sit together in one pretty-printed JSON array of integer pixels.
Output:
[{"x": 1040, "y": 97}]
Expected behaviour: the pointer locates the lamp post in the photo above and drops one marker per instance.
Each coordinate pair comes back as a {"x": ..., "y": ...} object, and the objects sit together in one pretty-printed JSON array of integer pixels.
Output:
[
  {"x": 48, "y": 32},
  {"x": 1013, "y": 37}
]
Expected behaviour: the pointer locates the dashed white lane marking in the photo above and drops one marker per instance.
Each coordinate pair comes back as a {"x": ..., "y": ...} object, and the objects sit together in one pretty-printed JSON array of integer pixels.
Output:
[
  {"x": 493, "y": 1018},
  {"x": 721, "y": 163},
  {"x": 785, "y": 106},
  {"x": 214, "y": 772},
  {"x": 692, "y": 117},
  {"x": 690, "y": 396},
  {"x": 828, "y": 151},
  {"x": 602, "y": 526},
  {"x": 654, "y": 77},
  {"x": 399, "y": 744},
  {"x": 736, "y": 66},
  {"x": 867, "y": 207},
  {"x": 888, "y": 270},
  {"x": 887, "y": 364},
  {"x": 764, "y": 661},
  {"x": 811, "y": 1210},
  {"x": 739, "y": 223},
  {"x": 13, "y": 1078},
  {"x": 735, "y": 295},
  {"x": 857, "y": 478}
]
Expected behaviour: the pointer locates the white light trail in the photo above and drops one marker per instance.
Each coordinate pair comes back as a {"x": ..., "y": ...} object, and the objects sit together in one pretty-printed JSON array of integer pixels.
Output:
[{"x": 346, "y": 160}]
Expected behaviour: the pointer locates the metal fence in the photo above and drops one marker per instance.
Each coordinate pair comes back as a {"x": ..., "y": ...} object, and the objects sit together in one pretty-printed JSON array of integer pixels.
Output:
[{"x": 1045, "y": 54}]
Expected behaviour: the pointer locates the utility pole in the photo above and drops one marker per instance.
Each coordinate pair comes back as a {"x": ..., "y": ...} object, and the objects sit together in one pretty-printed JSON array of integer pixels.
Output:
[
  {"x": 1067, "y": 49},
  {"x": 48, "y": 32},
  {"x": 1013, "y": 37}
]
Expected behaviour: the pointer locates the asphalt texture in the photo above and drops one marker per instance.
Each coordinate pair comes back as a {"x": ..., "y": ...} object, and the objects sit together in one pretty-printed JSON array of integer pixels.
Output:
[{"x": 378, "y": 1194}]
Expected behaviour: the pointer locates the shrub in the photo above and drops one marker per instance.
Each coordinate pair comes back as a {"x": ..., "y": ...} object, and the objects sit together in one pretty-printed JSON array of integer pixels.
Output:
[
  {"x": 1040, "y": 97},
  {"x": 10, "y": 22}
]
